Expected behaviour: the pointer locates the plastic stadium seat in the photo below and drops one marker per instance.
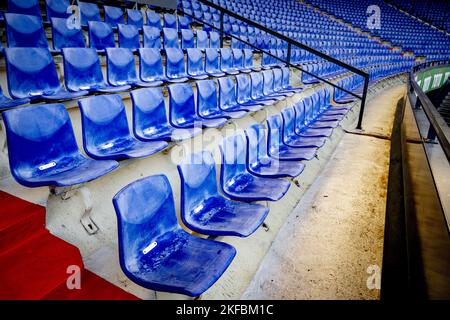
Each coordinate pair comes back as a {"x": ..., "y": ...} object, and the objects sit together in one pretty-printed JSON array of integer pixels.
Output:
[
  {"x": 153, "y": 19},
  {"x": 121, "y": 69},
  {"x": 228, "y": 100},
  {"x": 113, "y": 15},
  {"x": 24, "y": 31},
  {"x": 135, "y": 18},
  {"x": 32, "y": 74},
  {"x": 101, "y": 35},
  {"x": 30, "y": 7},
  {"x": 301, "y": 127},
  {"x": 238, "y": 60},
  {"x": 170, "y": 21},
  {"x": 243, "y": 93},
  {"x": 150, "y": 121},
  {"x": 204, "y": 210},
  {"x": 248, "y": 61},
  {"x": 286, "y": 86},
  {"x": 212, "y": 64},
  {"x": 183, "y": 111},
  {"x": 88, "y": 12},
  {"x": 105, "y": 130},
  {"x": 195, "y": 67},
  {"x": 214, "y": 39},
  {"x": 260, "y": 163},
  {"x": 187, "y": 39},
  {"x": 150, "y": 65},
  {"x": 154, "y": 251},
  {"x": 184, "y": 23},
  {"x": 239, "y": 184},
  {"x": 317, "y": 121},
  {"x": 207, "y": 106},
  {"x": 226, "y": 61},
  {"x": 6, "y": 102},
  {"x": 43, "y": 151},
  {"x": 82, "y": 71},
  {"x": 202, "y": 41},
  {"x": 175, "y": 65},
  {"x": 280, "y": 151},
  {"x": 64, "y": 37},
  {"x": 128, "y": 36},
  {"x": 170, "y": 38},
  {"x": 152, "y": 37},
  {"x": 268, "y": 87},
  {"x": 56, "y": 9}
]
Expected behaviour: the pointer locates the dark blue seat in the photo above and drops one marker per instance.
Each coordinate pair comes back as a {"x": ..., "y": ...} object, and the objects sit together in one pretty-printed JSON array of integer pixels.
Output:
[
  {"x": 279, "y": 150},
  {"x": 170, "y": 21},
  {"x": 303, "y": 117},
  {"x": 207, "y": 106},
  {"x": 195, "y": 66},
  {"x": 150, "y": 65},
  {"x": 113, "y": 15},
  {"x": 239, "y": 184},
  {"x": 170, "y": 38},
  {"x": 63, "y": 37},
  {"x": 226, "y": 61},
  {"x": 152, "y": 37},
  {"x": 228, "y": 99},
  {"x": 56, "y": 9},
  {"x": 154, "y": 251},
  {"x": 128, "y": 36},
  {"x": 32, "y": 74},
  {"x": 175, "y": 65},
  {"x": 30, "y": 7},
  {"x": 187, "y": 39},
  {"x": 135, "y": 18},
  {"x": 150, "y": 121},
  {"x": 43, "y": 151},
  {"x": 88, "y": 12},
  {"x": 260, "y": 163},
  {"x": 105, "y": 130},
  {"x": 24, "y": 31},
  {"x": 204, "y": 210},
  {"x": 153, "y": 19},
  {"x": 243, "y": 93},
  {"x": 184, "y": 23},
  {"x": 82, "y": 71},
  {"x": 257, "y": 94},
  {"x": 121, "y": 69},
  {"x": 101, "y": 35},
  {"x": 182, "y": 109},
  {"x": 214, "y": 39},
  {"x": 6, "y": 102},
  {"x": 212, "y": 65},
  {"x": 202, "y": 41}
]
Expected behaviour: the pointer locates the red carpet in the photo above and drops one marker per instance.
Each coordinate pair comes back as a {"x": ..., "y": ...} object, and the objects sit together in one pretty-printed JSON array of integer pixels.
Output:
[{"x": 33, "y": 262}]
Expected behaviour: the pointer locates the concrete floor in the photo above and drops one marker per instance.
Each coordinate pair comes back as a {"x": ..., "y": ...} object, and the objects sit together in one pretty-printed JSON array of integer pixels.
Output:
[{"x": 331, "y": 245}]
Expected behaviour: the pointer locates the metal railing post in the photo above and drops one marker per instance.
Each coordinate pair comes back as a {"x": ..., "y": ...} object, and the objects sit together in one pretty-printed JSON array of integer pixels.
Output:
[
  {"x": 363, "y": 103},
  {"x": 221, "y": 28},
  {"x": 289, "y": 53}
]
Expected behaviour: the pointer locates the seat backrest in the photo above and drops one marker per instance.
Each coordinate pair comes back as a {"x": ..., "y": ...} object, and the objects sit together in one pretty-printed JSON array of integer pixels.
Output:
[
  {"x": 238, "y": 59},
  {"x": 101, "y": 35},
  {"x": 39, "y": 136},
  {"x": 195, "y": 62},
  {"x": 227, "y": 93},
  {"x": 277, "y": 79},
  {"x": 56, "y": 9},
  {"x": 175, "y": 66},
  {"x": 88, "y": 12},
  {"x": 187, "y": 39},
  {"x": 184, "y": 23},
  {"x": 248, "y": 59},
  {"x": 234, "y": 157},
  {"x": 24, "y": 31},
  {"x": 214, "y": 39},
  {"x": 64, "y": 37},
  {"x": 128, "y": 36},
  {"x": 226, "y": 59},
  {"x": 206, "y": 97},
  {"x": 135, "y": 18},
  {"x": 121, "y": 68},
  {"x": 211, "y": 60},
  {"x": 82, "y": 68},
  {"x": 153, "y": 19},
  {"x": 30, "y": 7},
  {"x": 299, "y": 108},
  {"x": 285, "y": 81},
  {"x": 288, "y": 117},
  {"x": 145, "y": 211},
  {"x": 256, "y": 144},
  {"x": 181, "y": 104},
  {"x": 243, "y": 88},
  {"x": 150, "y": 64},
  {"x": 113, "y": 15},
  {"x": 31, "y": 72},
  {"x": 202, "y": 41},
  {"x": 275, "y": 134},
  {"x": 309, "y": 109},
  {"x": 268, "y": 82},
  {"x": 170, "y": 37},
  {"x": 152, "y": 37},
  {"x": 170, "y": 21}
]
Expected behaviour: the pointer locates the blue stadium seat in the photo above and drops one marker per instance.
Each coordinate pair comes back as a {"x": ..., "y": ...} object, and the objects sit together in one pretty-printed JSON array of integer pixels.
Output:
[
  {"x": 257, "y": 89},
  {"x": 248, "y": 61},
  {"x": 184, "y": 23},
  {"x": 195, "y": 66},
  {"x": 207, "y": 106},
  {"x": 6, "y": 102},
  {"x": 268, "y": 88},
  {"x": 151, "y": 65},
  {"x": 303, "y": 118},
  {"x": 128, "y": 36},
  {"x": 243, "y": 93},
  {"x": 30, "y": 7},
  {"x": 260, "y": 163},
  {"x": 32, "y": 74},
  {"x": 152, "y": 37},
  {"x": 105, "y": 130},
  {"x": 153, "y": 19},
  {"x": 204, "y": 210},
  {"x": 113, "y": 15},
  {"x": 63, "y": 37},
  {"x": 24, "y": 31},
  {"x": 170, "y": 21},
  {"x": 121, "y": 69},
  {"x": 150, "y": 121},
  {"x": 101, "y": 35},
  {"x": 175, "y": 65},
  {"x": 182, "y": 109},
  {"x": 286, "y": 86},
  {"x": 170, "y": 38},
  {"x": 214, "y": 39},
  {"x": 316, "y": 119},
  {"x": 238, "y": 60},
  {"x": 82, "y": 71},
  {"x": 56, "y": 9},
  {"x": 43, "y": 151},
  {"x": 239, "y": 184},
  {"x": 154, "y": 251},
  {"x": 226, "y": 61},
  {"x": 212, "y": 64},
  {"x": 88, "y": 12},
  {"x": 280, "y": 151},
  {"x": 228, "y": 99},
  {"x": 135, "y": 18},
  {"x": 187, "y": 39},
  {"x": 202, "y": 41}
]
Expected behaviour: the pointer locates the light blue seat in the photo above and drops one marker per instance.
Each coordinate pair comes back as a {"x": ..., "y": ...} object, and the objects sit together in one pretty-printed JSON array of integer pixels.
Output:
[
  {"x": 316, "y": 120},
  {"x": 212, "y": 65},
  {"x": 238, "y": 60},
  {"x": 170, "y": 21},
  {"x": 280, "y": 151},
  {"x": 150, "y": 121},
  {"x": 153, "y": 19},
  {"x": 24, "y": 31},
  {"x": 101, "y": 35},
  {"x": 187, "y": 39},
  {"x": 239, "y": 184},
  {"x": 268, "y": 87},
  {"x": 113, "y": 15},
  {"x": 248, "y": 61},
  {"x": 175, "y": 65},
  {"x": 195, "y": 66},
  {"x": 6, "y": 102},
  {"x": 226, "y": 61},
  {"x": 184, "y": 23},
  {"x": 228, "y": 99},
  {"x": 303, "y": 117},
  {"x": 32, "y": 74},
  {"x": 214, "y": 39},
  {"x": 152, "y": 37},
  {"x": 170, "y": 38},
  {"x": 257, "y": 89},
  {"x": 278, "y": 84},
  {"x": 129, "y": 36},
  {"x": 105, "y": 130},
  {"x": 286, "y": 82},
  {"x": 154, "y": 251},
  {"x": 135, "y": 18},
  {"x": 260, "y": 163},
  {"x": 63, "y": 37},
  {"x": 182, "y": 109},
  {"x": 243, "y": 93},
  {"x": 30, "y": 7},
  {"x": 204, "y": 210},
  {"x": 56, "y": 9},
  {"x": 207, "y": 104},
  {"x": 151, "y": 65},
  {"x": 88, "y": 12},
  {"x": 202, "y": 41},
  {"x": 82, "y": 71},
  {"x": 121, "y": 69},
  {"x": 43, "y": 151}
]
